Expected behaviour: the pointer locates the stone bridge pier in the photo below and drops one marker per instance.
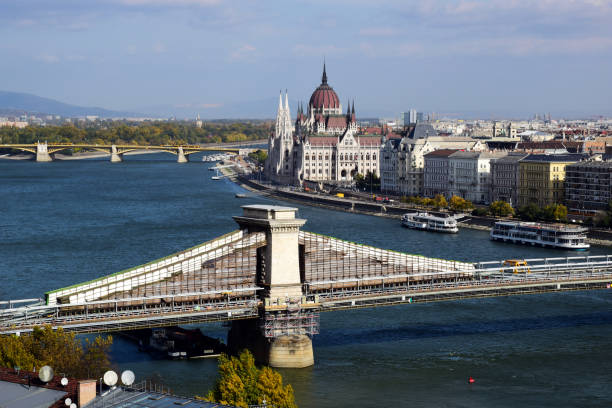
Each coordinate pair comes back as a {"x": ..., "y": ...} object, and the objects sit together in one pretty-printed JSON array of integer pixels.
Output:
[
  {"x": 181, "y": 156},
  {"x": 116, "y": 157},
  {"x": 280, "y": 336},
  {"x": 42, "y": 153}
]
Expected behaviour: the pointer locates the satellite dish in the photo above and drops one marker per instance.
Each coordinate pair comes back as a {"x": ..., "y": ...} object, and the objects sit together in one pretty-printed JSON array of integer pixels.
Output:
[
  {"x": 64, "y": 381},
  {"x": 128, "y": 377},
  {"x": 68, "y": 401},
  {"x": 110, "y": 378},
  {"x": 45, "y": 374},
  {"x": 73, "y": 405}
]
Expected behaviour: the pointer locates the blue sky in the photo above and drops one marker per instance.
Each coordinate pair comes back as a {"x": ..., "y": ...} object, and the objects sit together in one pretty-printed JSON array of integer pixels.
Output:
[{"x": 496, "y": 58}]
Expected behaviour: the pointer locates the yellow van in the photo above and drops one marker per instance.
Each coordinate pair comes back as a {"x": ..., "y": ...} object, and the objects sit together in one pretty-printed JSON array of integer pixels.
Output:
[{"x": 517, "y": 265}]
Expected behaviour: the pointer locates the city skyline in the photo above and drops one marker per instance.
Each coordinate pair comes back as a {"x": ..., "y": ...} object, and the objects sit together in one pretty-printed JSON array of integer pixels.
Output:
[{"x": 491, "y": 59}]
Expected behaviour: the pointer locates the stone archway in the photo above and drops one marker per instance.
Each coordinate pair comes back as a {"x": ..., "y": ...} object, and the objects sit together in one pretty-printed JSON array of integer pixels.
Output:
[{"x": 343, "y": 174}]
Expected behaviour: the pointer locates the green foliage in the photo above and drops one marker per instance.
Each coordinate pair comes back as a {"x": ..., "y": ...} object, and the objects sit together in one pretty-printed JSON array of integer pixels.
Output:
[
  {"x": 147, "y": 133},
  {"x": 58, "y": 349},
  {"x": 368, "y": 182},
  {"x": 259, "y": 156},
  {"x": 480, "y": 212},
  {"x": 553, "y": 212},
  {"x": 501, "y": 209},
  {"x": 439, "y": 201},
  {"x": 241, "y": 383},
  {"x": 457, "y": 203}
]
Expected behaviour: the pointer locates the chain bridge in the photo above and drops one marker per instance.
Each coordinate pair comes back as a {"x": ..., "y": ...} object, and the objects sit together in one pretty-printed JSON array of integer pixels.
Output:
[
  {"x": 44, "y": 151},
  {"x": 272, "y": 280}
]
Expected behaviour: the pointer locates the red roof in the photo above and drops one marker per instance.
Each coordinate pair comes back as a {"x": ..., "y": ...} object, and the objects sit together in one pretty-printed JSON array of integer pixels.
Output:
[
  {"x": 369, "y": 140},
  {"x": 441, "y": 153},
  {"x": 21, "y": 377},
  {"x": 322, "y": 140},
  {"x": 336, "y": 122},
  {"x": 324, "y": 97}
]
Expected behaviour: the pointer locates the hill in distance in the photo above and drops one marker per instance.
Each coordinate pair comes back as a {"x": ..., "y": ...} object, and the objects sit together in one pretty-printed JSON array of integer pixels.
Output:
[{"x": 17, "y": 101}]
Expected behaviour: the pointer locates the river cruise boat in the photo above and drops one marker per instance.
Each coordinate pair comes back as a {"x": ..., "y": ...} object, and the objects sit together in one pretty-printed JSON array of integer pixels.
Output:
[
  {"x": 430, "y": 222},
  {"x": 545, "y": 235}
]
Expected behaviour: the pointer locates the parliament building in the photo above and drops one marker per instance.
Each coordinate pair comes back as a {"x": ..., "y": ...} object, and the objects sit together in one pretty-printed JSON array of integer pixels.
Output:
[{"x": 322, "y": 143}]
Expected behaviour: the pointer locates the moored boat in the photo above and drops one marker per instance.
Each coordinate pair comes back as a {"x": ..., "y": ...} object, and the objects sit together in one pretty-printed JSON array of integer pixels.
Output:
[
  {"x": 537, "y": 234},
  {"x": 430, "y": 222}
]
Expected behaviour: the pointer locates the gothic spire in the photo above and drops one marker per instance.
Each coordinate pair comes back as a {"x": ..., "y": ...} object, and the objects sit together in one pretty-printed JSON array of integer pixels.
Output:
[
  {"x": 353, "y": 112},
  {"x": 324, "y": 78}
]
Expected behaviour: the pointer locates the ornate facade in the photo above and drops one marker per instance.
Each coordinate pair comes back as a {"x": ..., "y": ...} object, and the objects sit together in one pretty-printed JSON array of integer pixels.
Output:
[{"x": 323, "y": 144}]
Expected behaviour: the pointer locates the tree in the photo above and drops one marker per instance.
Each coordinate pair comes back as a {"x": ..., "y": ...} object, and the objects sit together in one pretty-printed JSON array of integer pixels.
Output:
[
  {"x": 439, "y": 201},
  {"x": 259, "y": 156},
  {"x": 529, "y": 212},
  {"x": 241, "y": 383},
  {"x": 501, "y": 208},
  {"x": 457, "y": 203},
  {"x": 560, "y": 212},
  {"x": 58, "y": 349}
]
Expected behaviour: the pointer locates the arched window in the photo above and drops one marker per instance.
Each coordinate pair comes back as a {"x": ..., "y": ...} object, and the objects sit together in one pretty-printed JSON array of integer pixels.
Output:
[
  {"x": 341, "y": 157},
  {"x": 307, "y": 157},
  {"x": 374, "y": 156}
]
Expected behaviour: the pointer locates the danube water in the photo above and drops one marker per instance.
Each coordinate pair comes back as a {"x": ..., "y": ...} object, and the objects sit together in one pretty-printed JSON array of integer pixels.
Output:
[{"x": 67, "y": 222}]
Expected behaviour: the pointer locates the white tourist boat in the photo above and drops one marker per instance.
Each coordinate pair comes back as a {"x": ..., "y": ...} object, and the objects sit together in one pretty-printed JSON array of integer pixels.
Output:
[
  {"x": 545, "y": 235},
  {"x": 430, "y": 222}
]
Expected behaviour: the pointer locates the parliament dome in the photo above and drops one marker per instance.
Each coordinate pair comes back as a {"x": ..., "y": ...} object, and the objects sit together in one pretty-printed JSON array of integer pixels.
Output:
[{"x": 324, "y": 97}]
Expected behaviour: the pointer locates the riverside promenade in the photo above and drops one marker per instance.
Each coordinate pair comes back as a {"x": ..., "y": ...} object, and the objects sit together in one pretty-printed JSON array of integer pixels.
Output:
[{"x": 390, "y": 210}]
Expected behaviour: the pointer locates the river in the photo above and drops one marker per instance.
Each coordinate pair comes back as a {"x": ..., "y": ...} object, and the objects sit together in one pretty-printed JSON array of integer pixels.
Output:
[{"x": 67, "y": 222}]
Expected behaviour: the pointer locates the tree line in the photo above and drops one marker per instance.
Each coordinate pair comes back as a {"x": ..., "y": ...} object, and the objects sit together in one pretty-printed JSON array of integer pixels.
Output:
[{"x": 148, "y": 133}]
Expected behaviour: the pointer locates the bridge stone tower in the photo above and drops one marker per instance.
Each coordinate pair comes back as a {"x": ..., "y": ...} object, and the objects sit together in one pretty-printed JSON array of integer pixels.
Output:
[
  {"x": 42, "y": 153},
  {"x": 286, "y": 344}
]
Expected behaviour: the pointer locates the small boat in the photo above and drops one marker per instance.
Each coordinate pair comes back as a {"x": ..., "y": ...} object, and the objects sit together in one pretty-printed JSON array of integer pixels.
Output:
[
  {"x": 544, "y": 235},
  {"x": 430, "y": 222},
  {"x": 240, "y": 195},
  {"x": 216, "y": 178}
]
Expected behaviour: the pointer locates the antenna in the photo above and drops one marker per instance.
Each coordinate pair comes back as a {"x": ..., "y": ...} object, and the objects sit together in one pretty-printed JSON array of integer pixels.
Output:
[
  {"x": 128, "y": 377},
  {"x": 64, "y": 381},
  {"x": 45, "y": 374},
  {"x": 110, "y": 378}
]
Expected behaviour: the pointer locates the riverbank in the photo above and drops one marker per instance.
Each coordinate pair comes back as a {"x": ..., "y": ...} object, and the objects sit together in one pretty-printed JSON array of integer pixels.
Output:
[{"x": 595, "y": 237}]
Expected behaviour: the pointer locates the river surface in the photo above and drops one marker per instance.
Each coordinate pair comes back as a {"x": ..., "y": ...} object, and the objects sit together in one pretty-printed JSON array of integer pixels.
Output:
[{"x": 67, "y": 222}]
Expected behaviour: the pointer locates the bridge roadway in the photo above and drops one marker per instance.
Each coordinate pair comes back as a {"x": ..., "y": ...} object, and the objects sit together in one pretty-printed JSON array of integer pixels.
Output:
[
  {"x": 487, "y": 280},
  {"x": 44, "y": 151}
]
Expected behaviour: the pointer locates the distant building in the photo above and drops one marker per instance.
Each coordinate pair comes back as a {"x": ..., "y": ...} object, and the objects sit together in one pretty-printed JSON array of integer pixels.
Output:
[
  {"x": 436, "y": 175},
  {"x": 324, "y": 144},
  {"x": 588, "y": 186},
  {"x": 470, "y": 175},
  {"x": 198, "y": 121},
  {"x": 406, "y": 157},
  {"x": 505, "y": 178},
  {"x": 541, "y": 178},
  {"x": 413, "y": 116}
]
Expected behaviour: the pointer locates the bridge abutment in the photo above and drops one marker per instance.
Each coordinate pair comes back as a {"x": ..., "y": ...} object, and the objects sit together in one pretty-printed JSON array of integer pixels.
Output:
[
  {"x": 284, "y": 351},
  {"x": 281, "y": 335},
  {"x": 116, "y": 157},
  {"x": 42, "y": 153},
  {"x": 181, "y": 156}
]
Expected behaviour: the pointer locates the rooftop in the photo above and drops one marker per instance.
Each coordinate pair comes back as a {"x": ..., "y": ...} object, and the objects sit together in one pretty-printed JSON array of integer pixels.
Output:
[{"x": 570, "y": 157}]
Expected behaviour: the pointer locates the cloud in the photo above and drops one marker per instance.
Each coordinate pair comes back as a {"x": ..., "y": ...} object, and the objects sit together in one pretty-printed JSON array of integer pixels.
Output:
[
  {"x": 308, "y": 50},
  {"x": 48, "y": 58},
  {"x": 159, "y": 48},
  {"x": 169, "y": 2},
  {"x": 243, "y": 52},
  {"x": 199, "y": 105},
  {"x": 379, "y": 32}
]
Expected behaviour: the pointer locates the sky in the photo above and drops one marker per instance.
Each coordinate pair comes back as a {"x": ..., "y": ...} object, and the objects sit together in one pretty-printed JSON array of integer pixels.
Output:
[{"x": 492, "y": 59}]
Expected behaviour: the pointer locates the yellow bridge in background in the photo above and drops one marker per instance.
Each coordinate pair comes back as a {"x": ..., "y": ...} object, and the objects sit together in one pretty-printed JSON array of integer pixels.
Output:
[{"x": 44, "y": 151}]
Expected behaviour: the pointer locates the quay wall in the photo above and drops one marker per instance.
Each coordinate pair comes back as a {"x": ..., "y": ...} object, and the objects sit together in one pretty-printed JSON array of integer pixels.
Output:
[{"x": 595, "y": 237}]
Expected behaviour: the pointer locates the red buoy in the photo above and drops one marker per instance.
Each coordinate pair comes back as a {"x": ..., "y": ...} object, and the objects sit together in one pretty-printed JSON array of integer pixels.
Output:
[{"x": 471, "y": 380}]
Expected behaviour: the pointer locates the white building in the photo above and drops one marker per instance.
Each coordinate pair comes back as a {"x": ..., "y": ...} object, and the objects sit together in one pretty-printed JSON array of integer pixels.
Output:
[
  {"x": 324, "y": 144},
  {"x": 402, "y": 162}
]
